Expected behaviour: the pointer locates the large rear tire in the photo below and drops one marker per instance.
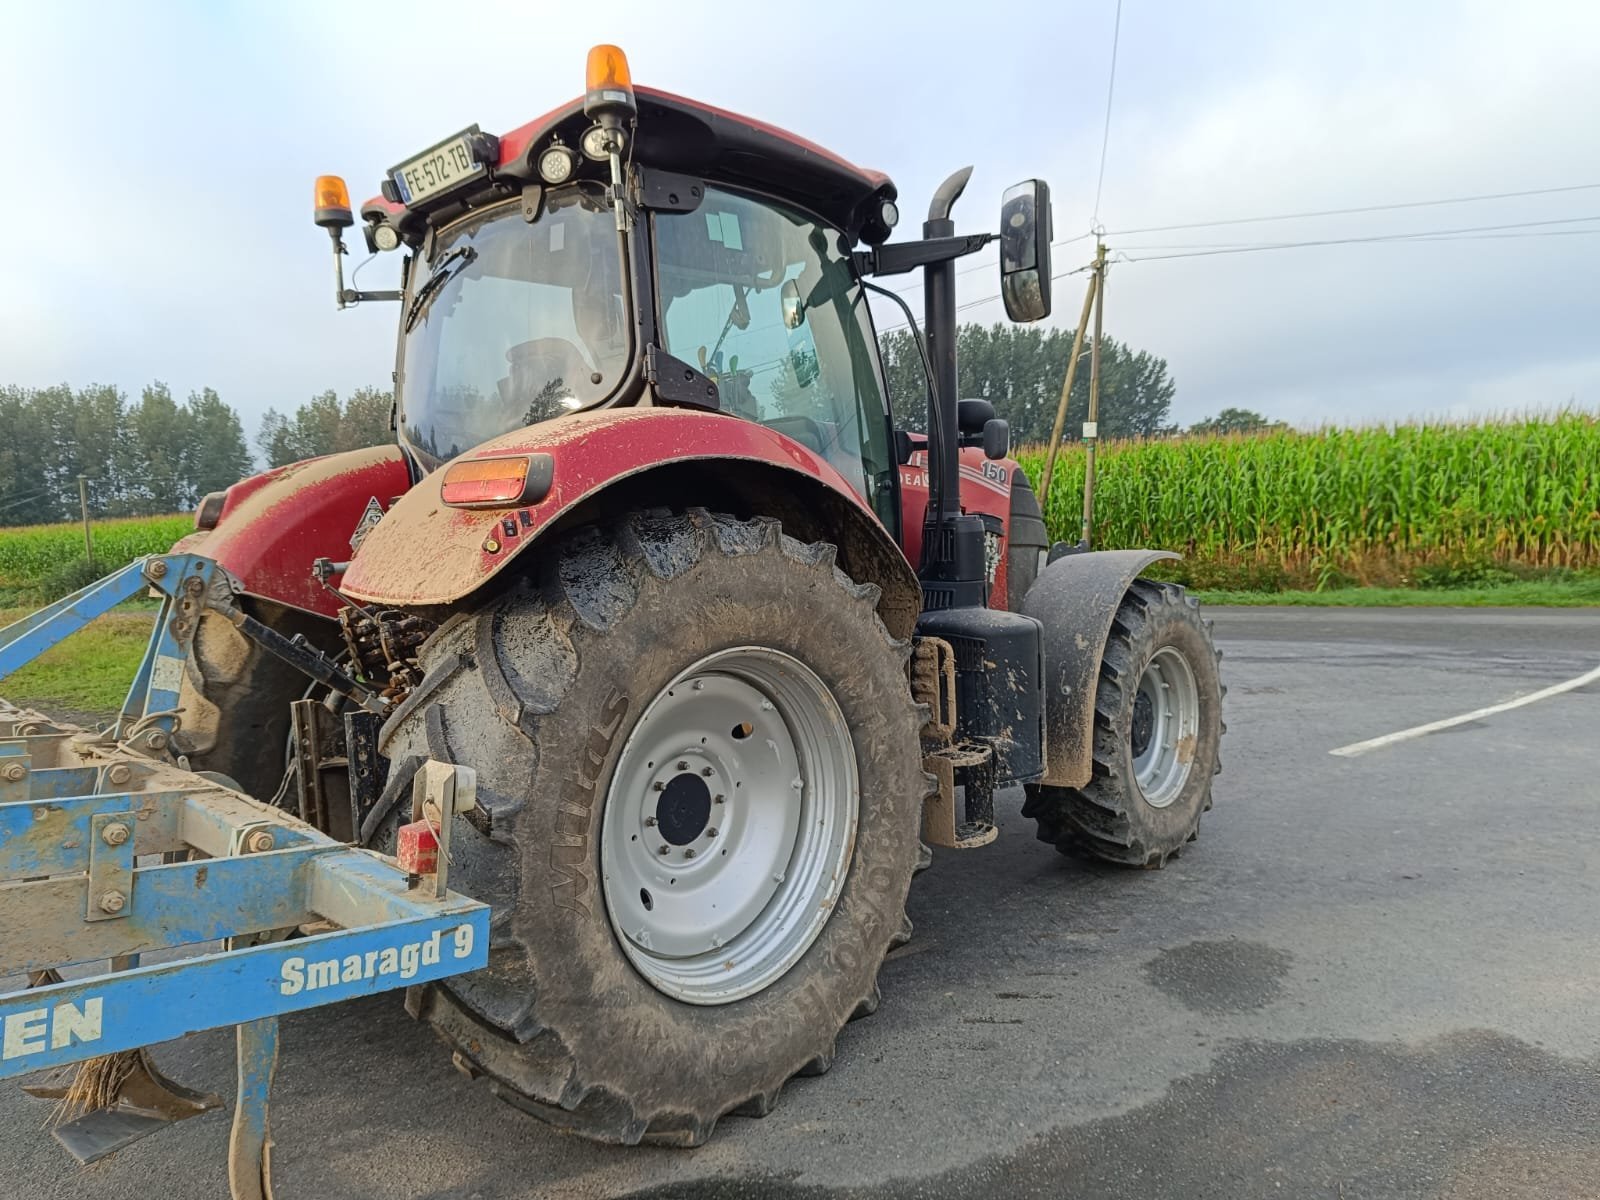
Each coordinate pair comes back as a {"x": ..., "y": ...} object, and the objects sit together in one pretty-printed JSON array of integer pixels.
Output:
[
  {"x": 662, "y": 662},
  {"x": 1157, "y": 726}
]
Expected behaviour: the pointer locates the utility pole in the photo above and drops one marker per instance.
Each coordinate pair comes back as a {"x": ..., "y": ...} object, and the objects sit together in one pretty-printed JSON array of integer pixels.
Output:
[
  {"x": 1091, "y": 427},
  {"x": 83, "y": 503},
  {"x": 1066, "y": 392}
]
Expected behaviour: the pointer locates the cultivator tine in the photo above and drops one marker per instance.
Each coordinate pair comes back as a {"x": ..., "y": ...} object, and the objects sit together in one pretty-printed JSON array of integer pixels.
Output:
[
  {"x": 250, "y": 1141},
  {"x": 142, "y": 1101}
]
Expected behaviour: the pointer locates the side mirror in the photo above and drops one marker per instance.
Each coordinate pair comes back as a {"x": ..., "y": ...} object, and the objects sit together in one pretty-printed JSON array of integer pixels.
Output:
[
  {"x": 996, "y": 439},
  {"x": 973, "y": 415},
  {"x": 1025, "y": 233},
  {"x": 794, "y": 308},
  {"x": 903, "y": 448}
]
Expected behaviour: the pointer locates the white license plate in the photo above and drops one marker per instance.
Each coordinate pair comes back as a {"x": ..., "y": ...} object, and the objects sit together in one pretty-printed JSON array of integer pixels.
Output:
[{"x": 446, "y": 166}]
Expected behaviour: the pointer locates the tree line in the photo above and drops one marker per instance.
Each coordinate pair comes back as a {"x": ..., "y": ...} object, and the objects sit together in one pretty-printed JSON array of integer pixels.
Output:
[
  {"x": 159, "y": 455},
  {"x": 155, "y": 454}
]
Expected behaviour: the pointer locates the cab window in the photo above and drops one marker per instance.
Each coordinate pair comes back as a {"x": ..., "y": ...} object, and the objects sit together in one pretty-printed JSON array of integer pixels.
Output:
[{"x": 762, "y": 300}]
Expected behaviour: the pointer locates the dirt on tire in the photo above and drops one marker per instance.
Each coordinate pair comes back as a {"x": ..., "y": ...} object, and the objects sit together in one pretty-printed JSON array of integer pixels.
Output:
[
  {"x": 1109, "y": 817},
  {"x": 538, "y": 689}
]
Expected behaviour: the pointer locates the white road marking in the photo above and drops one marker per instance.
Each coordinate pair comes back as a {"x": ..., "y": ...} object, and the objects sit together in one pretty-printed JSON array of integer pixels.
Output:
[{"x": 1356, "y": 749}]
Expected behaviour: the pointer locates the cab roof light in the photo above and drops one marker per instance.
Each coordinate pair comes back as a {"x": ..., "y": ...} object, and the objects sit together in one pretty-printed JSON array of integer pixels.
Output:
[
  {"x": 608, "y": 84},
  {"x": 505, "y": 482},
  {"x": 331, "y": 203}
]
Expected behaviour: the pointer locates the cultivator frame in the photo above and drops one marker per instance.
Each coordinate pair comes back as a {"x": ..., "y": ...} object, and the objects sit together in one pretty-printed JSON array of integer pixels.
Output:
[{"x": 112, "y": 852}]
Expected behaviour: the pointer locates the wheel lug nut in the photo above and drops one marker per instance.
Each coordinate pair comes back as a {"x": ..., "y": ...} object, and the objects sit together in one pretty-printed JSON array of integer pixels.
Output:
[
  {"x": 688, "y": 851},
  {"x": 711, "y": 831},
  {"x": 663, "y": 849},
  {"x": 706, "y": 771},
  {"x": 649, "y": 820},
  {"x": 658, "y": 786},
  {"x": 683, "y": 764},
  {"x": 718, "y": 798}
]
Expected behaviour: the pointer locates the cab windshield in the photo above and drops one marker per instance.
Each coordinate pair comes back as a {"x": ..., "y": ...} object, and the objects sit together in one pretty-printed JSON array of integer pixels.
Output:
[
  {"x": 511, "y": 323},
  {"x": 762, "y": 299}
]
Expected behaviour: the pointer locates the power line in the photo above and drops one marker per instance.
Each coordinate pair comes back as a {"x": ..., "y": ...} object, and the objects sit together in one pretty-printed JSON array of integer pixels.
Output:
[
  {"x": 1105, "y": 134},
  {"x": 1469, "y": 233},
  {"x": 1368, "y": 208},
  {"x": 1418, "y": 235}
]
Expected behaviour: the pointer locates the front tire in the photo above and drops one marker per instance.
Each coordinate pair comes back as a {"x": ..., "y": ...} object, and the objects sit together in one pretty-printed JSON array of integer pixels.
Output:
[
  {"x": 573, "y": 697},
  {"x": 1157, "y": 728}
]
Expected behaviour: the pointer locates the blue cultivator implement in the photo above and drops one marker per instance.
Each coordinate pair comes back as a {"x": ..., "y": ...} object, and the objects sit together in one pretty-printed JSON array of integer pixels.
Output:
[{"x": 140, "y": 901}]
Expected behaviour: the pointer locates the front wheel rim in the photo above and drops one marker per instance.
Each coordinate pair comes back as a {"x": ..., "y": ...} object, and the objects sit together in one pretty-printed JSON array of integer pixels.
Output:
[
  {"x": 729, "y": 825},
  {"x": 1165, "y": 727}
]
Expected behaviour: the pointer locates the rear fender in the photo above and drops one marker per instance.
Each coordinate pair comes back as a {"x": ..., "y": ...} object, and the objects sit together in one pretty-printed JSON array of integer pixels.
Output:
[
  {"x": 273, "y": 526},
  {"x": 425, "y": 553},
  {"x": 1075, "y": 597}
]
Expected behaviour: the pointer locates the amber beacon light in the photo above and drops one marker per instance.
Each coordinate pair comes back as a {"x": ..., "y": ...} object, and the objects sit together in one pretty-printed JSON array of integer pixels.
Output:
[
  {"x": 608, "y": 84},
  {"x": 331, "y": 203}
]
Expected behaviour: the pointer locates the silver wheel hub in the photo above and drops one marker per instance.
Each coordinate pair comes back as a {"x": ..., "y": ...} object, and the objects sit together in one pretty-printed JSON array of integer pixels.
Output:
[
  {"x": 729, "y": 825},
  {"x": 1166, "y": 724}
]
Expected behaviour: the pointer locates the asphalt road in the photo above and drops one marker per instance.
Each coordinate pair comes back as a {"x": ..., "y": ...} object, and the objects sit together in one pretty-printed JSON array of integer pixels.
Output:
[{"x": 1370, "y": 977}]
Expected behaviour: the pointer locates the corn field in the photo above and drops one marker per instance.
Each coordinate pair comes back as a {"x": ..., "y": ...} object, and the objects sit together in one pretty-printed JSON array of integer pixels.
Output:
[
  {"x": 40, "y": 559},
  {"x": 1370, "y": 505}
]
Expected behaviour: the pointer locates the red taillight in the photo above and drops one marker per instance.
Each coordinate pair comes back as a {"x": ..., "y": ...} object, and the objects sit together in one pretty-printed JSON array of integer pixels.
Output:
[{"x": 497, "y": 482}]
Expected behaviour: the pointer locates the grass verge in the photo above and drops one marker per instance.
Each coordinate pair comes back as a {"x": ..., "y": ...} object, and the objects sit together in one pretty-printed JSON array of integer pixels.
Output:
[
  {"x": 1560, "y": 593},
  {"x": 89, "y": 673}
]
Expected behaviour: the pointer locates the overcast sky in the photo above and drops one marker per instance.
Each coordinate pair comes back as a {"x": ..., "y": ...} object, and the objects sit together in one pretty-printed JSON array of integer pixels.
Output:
[{"x": 159, "y": 161}]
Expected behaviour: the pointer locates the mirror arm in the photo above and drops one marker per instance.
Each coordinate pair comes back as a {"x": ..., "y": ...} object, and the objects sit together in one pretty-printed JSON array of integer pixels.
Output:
[
  {"x": 899, "y": 257},
  {"x": 351, "y": 296}
]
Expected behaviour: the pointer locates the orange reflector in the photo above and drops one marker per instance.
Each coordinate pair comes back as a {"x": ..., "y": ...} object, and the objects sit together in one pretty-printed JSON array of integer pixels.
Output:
[
  {"x": 331, "y": 202},
  {"x": 497, "y": 482},
  {"x": 608, "y": 82}
]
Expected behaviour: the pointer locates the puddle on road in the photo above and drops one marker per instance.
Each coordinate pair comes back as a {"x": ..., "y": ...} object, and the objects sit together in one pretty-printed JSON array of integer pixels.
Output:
[{"x": 1220, "y": 977}]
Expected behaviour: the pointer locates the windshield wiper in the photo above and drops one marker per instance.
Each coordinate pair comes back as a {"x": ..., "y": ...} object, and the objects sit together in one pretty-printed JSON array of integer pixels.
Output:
[{"x": 447, "y": 269}]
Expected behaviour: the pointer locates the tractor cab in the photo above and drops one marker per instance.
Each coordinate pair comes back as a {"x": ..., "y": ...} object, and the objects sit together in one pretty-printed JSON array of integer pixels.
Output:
[{"x": 636, "y": 248}]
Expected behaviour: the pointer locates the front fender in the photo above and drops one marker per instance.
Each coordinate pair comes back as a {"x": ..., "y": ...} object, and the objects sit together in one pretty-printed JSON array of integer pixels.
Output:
[
  {"x": 425, "y": 552},
  {"x": 1075, "y": 597}
]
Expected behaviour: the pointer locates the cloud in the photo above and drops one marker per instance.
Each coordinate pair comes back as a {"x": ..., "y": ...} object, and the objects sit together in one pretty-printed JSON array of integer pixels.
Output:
[{"x": 164, "y": 230}]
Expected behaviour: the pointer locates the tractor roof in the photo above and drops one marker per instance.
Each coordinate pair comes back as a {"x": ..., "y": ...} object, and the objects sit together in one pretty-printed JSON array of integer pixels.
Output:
[{"x": 678, "y": 134}]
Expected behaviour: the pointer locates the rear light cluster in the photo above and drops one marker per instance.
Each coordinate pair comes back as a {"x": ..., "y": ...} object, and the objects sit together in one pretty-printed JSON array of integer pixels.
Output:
[{"x": 497, "y": 482}]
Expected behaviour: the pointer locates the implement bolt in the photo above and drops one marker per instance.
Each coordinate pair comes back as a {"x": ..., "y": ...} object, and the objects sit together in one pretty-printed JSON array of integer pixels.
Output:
[
  {"x": 114, "y": 834},
  {"x": 156, "y": 570},
  {"x": 13, "y": 772},
  {"x": 259, "y": 841},
  {"x": 113, "y": 902},
  {"x": 119, "y": 774}
]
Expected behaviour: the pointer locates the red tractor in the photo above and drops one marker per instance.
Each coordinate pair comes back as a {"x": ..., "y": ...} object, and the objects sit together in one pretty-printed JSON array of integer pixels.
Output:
[{"x": 724, "y": 644}]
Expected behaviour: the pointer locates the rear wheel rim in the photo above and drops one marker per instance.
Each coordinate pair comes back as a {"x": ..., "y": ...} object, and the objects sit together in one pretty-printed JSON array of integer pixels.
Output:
[
  {"x": 1166, "y": 724},
  {"x": 729, "y": 825}
]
